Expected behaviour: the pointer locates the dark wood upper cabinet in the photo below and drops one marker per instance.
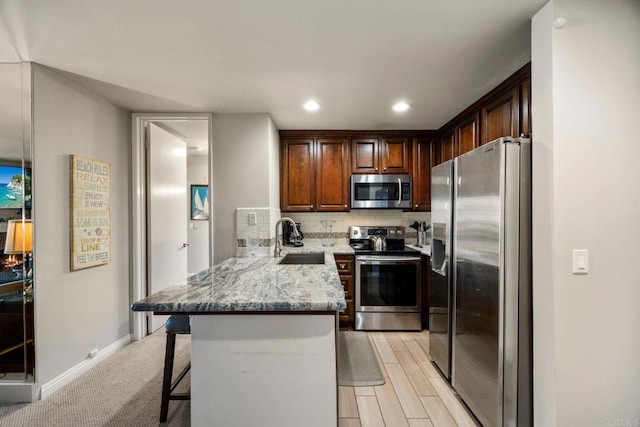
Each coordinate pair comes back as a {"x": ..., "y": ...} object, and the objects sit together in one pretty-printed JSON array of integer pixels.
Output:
[
  {"x": 467, "y": 135},
  {"x": 316, "y": 165},
  {"x": 447, "y": 146},
  {"x": 423, "y": 161},
  {"x": 380, "y": 155},
  {"x": 364, "y": 155},
  {"x": 395, "y": 155},
  {"x": 297, "y": 180},
  {"x": 501, "y": 117},
  {"x": 332, "y": 174}
]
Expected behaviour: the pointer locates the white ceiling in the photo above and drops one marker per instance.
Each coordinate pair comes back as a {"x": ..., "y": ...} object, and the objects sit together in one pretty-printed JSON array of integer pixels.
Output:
[{"x": 355, "y": 57}]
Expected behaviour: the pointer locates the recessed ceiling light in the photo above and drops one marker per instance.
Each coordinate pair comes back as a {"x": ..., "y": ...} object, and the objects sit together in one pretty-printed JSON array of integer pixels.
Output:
[
  {"x": 311, "y": 105},
  {"x": 401, "y": 106}
]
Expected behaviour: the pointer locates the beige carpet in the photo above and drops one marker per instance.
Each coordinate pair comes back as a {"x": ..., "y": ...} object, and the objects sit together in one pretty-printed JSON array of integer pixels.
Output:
[
  {"x": 357, "y": 365},
  {"x": 124, "y": 390}
]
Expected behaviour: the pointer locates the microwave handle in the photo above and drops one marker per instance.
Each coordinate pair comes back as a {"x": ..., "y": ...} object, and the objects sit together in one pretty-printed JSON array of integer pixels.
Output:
[{"x": 399, "y": 190}]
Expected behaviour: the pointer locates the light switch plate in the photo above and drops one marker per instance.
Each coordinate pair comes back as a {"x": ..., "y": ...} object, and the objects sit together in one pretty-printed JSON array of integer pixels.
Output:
[{"x": 580, "y": 261}]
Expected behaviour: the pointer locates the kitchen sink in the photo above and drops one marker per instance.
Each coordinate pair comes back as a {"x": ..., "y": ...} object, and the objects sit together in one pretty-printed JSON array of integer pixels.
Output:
[{"x": 304, "y": 258}]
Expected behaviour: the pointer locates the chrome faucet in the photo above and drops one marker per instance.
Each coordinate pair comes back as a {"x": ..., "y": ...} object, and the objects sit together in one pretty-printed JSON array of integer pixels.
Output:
[{"x": 277, "y": 252}]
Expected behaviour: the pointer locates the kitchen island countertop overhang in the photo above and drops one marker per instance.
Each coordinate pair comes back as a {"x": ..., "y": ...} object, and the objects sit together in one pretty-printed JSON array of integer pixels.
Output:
[{"x": 257, "y": 283}]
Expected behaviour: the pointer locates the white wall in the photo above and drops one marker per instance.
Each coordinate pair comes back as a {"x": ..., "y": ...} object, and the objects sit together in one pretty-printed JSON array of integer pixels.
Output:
[
  {"x": 79, "y": 311},
  {"x": 543, "y": 219},
  {"x": 198, "y": 231},
  {"x": 586, "y": 84},
  {"x": 241, "y": 156},
  {"x": 274, "y": 168}
]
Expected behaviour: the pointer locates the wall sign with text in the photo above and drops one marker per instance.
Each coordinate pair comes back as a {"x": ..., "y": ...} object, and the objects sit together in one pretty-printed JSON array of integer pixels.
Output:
[{"x": 90, "y": 213}]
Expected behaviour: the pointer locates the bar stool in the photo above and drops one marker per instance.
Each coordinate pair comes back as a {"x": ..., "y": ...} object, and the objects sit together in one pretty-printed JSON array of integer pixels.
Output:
[{"x": 176, "y": 324}]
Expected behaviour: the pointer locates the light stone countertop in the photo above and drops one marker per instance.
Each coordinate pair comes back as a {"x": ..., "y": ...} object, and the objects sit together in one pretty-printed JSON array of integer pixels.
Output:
[{"x": 257, "y": 283}]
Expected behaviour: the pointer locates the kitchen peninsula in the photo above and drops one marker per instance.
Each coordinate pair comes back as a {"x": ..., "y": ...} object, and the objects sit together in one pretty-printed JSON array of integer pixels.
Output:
[{"x": 263, "y": 340}]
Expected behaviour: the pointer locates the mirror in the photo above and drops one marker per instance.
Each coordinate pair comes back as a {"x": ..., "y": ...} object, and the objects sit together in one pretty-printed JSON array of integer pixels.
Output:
[{"x": 16, "y": 287}]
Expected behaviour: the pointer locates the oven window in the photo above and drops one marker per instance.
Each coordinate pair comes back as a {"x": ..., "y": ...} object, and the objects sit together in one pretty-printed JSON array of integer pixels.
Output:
[
  {"x": 388, "y": 285},
  {"x": 376, "y": 191}
]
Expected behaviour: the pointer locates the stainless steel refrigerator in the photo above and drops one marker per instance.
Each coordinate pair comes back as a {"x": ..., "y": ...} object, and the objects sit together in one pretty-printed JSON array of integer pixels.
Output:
[{"x": 480, "y": 313}]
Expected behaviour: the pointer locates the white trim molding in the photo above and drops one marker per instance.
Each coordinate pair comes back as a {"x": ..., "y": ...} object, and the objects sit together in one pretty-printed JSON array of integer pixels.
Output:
[{"x": 82, "y": 367}]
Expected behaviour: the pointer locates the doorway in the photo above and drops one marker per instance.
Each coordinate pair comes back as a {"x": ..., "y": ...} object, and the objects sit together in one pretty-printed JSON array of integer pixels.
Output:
[{"x": 170, "y": 168}]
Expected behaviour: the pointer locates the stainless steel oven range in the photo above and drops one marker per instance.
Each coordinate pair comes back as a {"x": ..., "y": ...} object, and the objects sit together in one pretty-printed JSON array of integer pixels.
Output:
[{"x": 387, "y": 286}]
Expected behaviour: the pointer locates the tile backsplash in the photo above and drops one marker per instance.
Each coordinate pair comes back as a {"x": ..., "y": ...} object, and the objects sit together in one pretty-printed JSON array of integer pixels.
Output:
[
  {"x": 266, "y": 219},
  {"x": 311, "y": 224},
  {"x": 311, "y": 221}
]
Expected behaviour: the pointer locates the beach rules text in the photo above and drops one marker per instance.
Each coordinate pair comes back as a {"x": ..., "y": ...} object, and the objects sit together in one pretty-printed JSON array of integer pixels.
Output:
[{"x": 90, "y": 212}]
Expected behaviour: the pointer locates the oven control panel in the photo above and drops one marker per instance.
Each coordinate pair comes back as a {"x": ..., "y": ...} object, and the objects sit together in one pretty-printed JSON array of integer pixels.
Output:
[{"x": 365, "y": 232}]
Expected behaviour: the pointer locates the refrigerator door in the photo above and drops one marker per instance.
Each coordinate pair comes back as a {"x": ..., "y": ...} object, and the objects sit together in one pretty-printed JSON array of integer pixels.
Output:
[
  {"x": 440, "y": 284},
  {"x": 478, "y": 229}
]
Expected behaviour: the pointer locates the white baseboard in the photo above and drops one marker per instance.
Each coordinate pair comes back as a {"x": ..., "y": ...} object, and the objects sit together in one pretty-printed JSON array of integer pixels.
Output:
[{"x": 82, "y": 367}]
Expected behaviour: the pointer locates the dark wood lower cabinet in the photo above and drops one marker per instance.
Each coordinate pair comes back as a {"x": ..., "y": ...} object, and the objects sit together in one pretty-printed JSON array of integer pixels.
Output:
[
  {"x": 425, "y": 272},
  {"x": 345, "y": 265}
]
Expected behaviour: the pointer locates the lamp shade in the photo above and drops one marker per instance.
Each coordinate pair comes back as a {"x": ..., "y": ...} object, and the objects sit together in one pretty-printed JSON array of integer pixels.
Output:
[{"x": 19, "y": 234}]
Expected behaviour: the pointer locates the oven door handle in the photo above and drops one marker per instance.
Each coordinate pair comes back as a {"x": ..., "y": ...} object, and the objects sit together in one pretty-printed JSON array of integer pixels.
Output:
[{"x": 386, "y": 260}]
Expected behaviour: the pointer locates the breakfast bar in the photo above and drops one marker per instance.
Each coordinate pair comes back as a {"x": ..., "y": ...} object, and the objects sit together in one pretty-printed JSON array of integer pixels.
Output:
[{"x": 263, "y": 341}]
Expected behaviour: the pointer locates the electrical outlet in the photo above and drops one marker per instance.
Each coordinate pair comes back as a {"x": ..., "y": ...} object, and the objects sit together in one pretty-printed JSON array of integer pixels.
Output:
[{"x": 252, "y": 218}]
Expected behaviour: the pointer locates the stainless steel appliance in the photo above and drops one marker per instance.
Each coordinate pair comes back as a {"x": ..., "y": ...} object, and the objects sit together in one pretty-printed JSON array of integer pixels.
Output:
[
  {"x": 387, "y": 286},
  {"x": 440, "y": 284},
  {"x": 381, "y": 191},
  {"x": 481, "y": 262}
]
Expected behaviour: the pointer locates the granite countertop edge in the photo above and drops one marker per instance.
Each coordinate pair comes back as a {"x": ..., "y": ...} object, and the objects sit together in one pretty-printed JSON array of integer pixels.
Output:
[{"x": 256, "y": 284}]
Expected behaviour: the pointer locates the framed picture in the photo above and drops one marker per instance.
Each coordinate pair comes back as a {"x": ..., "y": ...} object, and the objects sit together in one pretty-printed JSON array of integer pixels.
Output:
[
  {"x": 90, "y": 218},
  {"x": 200, "y": 202}
]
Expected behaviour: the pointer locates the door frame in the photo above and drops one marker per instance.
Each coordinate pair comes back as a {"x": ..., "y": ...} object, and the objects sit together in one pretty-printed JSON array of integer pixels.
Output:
[{"x": 138, "y": 244}]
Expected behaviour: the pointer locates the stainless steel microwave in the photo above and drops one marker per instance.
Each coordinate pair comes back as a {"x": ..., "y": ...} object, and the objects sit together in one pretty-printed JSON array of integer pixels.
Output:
[{"x": 380, "y": 191}]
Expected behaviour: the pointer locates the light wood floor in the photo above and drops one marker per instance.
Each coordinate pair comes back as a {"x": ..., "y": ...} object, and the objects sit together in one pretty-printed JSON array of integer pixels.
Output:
[{"x": 414, "y": 393}]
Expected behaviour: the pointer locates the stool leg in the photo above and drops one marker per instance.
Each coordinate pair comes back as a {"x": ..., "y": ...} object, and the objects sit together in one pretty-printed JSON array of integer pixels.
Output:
[{"x": 166, "y": 379}]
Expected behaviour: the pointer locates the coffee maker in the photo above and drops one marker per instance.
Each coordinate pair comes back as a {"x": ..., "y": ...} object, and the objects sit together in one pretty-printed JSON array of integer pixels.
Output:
[{"x": 287, "y": 235}]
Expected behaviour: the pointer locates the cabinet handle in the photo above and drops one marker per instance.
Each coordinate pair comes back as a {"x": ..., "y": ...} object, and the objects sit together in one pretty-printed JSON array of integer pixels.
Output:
[
  {"x": 385, "y": 168},
  {"x": 342, "y": 266},
  {"x": 311, "y": 206},
  {"x": 345, "y": 206},
  {"x": 376, "y": 168},
  {"x": 416, "y": 206}
]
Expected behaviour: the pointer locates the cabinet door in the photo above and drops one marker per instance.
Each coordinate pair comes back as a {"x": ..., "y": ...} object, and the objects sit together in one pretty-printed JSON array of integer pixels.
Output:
[
  {"x": 297, "y": 178},
  {"x": 364, "y": 155},
  {"x": 332, "y": 174},
  {"x": 467, "y": 137},
  {"x": 501, "y": 117},
  {"x": 423, "y": 159},
  {"x": 395, "y": 155},
  {"x": 525, "y": 108},
  {"x": 447, "y": 145}
]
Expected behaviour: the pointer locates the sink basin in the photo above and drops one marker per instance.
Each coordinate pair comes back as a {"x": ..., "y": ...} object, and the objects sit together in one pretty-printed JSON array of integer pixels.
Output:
[{"x": 305, "y": 258}]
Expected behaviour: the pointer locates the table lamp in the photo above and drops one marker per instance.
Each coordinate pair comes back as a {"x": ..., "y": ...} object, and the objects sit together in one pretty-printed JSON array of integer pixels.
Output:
[{"x": 19, "y": 239}]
